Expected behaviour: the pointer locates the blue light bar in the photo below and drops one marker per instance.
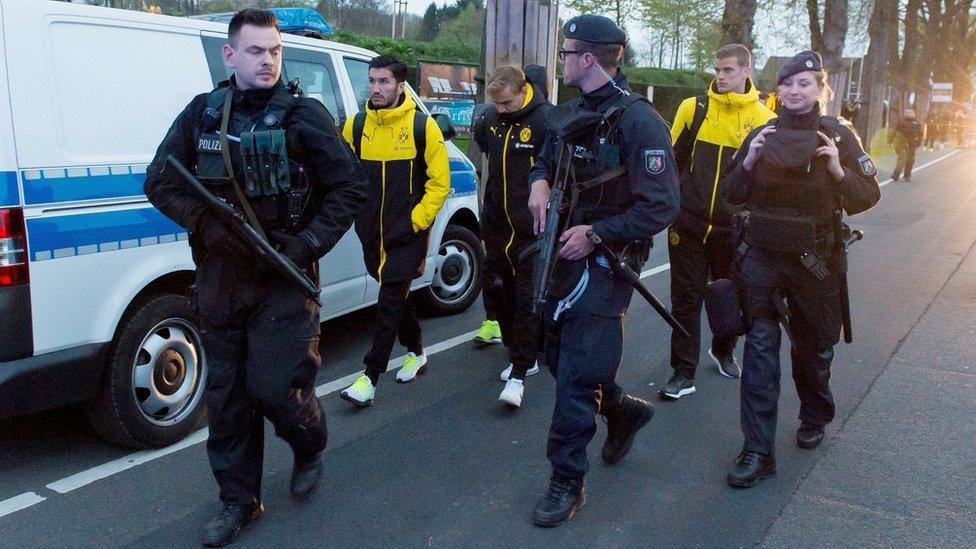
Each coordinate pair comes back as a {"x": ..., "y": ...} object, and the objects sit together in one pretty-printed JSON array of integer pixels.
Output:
[{"x": 301, "y": 21}]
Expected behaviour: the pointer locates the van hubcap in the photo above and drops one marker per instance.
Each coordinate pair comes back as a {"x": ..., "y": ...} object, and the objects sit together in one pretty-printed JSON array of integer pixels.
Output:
[
  {"x": 454, "y": 276},
  {"x": 167, "y": 373}
]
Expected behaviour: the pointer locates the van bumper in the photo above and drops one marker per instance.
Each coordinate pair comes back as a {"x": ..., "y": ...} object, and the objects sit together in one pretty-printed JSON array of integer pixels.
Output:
[{"x": 50, "y": 380}]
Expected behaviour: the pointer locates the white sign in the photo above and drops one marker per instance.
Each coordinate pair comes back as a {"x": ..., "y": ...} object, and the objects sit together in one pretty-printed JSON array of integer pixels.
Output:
[{"x": 942, "y": 92}]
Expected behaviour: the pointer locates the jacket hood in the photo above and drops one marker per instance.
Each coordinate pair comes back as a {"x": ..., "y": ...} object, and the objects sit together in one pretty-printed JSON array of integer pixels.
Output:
[
  {"x": 389, "y": 115},
  {"x": 734, "y": 100},
  {"x": 534, "y": 99}
]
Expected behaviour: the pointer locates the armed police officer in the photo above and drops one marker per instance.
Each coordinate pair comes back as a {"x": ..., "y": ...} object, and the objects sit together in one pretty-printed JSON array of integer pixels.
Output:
[
  {"x": 707, "y": 130},
  {"x": 794, "y": 175},
  {"x": 616, "y": 150},
  {"x": 260, "y": 332},
  {"x": 405, "y": 158},
  {"x": 511, "y": 131}
]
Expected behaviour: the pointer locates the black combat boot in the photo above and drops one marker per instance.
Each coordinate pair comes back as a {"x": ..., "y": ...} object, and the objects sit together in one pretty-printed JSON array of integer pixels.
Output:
[
  {"x": 306, "y": 475},
  {"x": 809, "y": 436},
  {"x": 750, "y": 468},
  {"x": 229, "y": 522},
  {"x": 624, "y": 419},
  {"x": 562, "y": 499}
]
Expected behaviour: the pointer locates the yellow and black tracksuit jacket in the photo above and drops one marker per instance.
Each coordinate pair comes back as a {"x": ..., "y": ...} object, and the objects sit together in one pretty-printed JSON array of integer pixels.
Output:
[
  {"x": 702, "y": 158},
  {"x": 407, "y": 188},
  {"x": 512, "y": 142}
]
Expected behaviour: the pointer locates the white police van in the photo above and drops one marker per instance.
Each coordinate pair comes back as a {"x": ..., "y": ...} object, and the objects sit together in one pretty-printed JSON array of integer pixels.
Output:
[{"x": 92, "y": 277}]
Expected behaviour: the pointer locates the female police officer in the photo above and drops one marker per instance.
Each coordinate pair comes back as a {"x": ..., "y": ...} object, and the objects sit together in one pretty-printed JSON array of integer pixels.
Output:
[{"x": 792, "y": 174}]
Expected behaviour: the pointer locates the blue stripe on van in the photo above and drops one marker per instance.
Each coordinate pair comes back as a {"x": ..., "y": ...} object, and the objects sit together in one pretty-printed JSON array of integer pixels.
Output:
[
  {"x": 463, "y": 178},
  {"x": 8, "y": 189},
  {"x": 70, "y": 235},
  {"x": 57, "y": 186}
]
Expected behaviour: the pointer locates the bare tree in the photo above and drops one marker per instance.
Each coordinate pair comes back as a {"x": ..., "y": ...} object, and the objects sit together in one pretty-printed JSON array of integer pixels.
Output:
[
  {"x": 883, "y": 34},
  {"x": 738, "y": 18},
  {"x": 828, "y": 38}
]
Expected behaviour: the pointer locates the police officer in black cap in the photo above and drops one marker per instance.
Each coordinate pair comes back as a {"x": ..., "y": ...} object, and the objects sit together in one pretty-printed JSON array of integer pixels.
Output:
[
  {"x": 260, "y": 333},
  {"x": 625, "y": 140},
  {"x": 793, "y": 175}
]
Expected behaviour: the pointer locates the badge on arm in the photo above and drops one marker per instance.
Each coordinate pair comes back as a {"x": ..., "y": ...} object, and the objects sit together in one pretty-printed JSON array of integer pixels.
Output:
[
  {"x": 867, "y": 165},
  {"x": 654, "y": 161}
]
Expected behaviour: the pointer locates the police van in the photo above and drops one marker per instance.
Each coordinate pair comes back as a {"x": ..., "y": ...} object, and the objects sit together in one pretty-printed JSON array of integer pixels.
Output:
[{"x": 92, "y": 276}]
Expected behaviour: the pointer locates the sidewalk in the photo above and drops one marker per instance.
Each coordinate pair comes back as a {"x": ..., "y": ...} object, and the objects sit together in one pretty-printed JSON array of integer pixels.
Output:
[{"x": 902, "y": 471}]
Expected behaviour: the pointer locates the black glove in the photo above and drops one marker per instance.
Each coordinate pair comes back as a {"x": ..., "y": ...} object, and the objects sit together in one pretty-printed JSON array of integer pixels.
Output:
[
  {"x": 294, "y": 247},
  {"x": 218, "y": 238}
]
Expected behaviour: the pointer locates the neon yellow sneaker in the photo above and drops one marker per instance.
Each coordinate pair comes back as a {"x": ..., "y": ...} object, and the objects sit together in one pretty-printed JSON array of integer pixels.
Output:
[
  {"x": 490, "y": 333},
  {"x": 360, "y": 393},
  {"x": 412, "y": 367}
]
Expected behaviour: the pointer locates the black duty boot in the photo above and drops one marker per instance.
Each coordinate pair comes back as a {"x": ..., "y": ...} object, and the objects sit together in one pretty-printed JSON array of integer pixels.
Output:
[
  {"x": 624, "y": 419},
  {"x": 809, "y": 436},
  {"x": 563, "y": 497},
  {"x": 750, "y": 468},
  {"x": 229, "y": 522},
  {"x": 305, "y": 476}
]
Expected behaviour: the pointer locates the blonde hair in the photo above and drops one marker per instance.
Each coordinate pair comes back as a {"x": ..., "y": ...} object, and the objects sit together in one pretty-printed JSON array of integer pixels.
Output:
[{"x": 505, "y": 77}]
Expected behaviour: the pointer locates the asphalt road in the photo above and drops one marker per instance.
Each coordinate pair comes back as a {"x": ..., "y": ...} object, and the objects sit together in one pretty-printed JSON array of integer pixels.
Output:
[{"x": 440, "y": 462}]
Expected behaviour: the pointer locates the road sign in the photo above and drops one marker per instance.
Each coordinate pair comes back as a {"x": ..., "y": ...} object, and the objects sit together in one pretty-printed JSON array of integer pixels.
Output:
[{"x": 942, "y": 92}]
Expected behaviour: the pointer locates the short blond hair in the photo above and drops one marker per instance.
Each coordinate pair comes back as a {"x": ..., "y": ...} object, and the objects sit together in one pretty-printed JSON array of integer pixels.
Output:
[{"x": 505, "y": 77}]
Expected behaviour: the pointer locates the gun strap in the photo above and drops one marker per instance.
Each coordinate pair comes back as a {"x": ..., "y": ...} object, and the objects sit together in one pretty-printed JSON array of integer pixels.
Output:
[
  {"x": 600, "y": 179},
  {"x": 225, "y": 152},
  {"x": 783, "y": 313}
]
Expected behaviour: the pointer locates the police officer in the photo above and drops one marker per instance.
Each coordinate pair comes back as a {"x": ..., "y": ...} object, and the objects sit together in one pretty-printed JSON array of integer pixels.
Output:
[
  {"x": 906, "y": 139},
  {"x": 622, "y": 138},
  {"x": 793, "y": 174},
  {"x": 707, "y": 130},
  {"x": 511, "y": 131},
  {"x": 405, "y": 158},
  {"x": 260, "y": 333}
]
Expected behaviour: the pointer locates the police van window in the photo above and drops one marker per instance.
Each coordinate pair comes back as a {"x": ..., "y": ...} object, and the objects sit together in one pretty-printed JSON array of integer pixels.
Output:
[
  {"x": 359, "y": 76},
  {"x": 317, "y": 81}
]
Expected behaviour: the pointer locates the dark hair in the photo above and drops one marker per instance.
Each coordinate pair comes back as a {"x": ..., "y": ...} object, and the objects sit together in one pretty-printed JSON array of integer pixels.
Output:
[
  {"x": 607, "y": 55},
  {"x": 741, "y": 53},
  {"x": 395, "y": 66},
  {"x": 251, "y": 16}
]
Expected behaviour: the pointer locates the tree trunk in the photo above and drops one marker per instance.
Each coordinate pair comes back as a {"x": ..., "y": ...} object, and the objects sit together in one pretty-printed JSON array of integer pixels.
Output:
[
  {"x": 813, "y": 16},
  {"x": 883, "y": 35},
  {"x": 737, "y": 22},
  {"x": 834, "y": 33}
]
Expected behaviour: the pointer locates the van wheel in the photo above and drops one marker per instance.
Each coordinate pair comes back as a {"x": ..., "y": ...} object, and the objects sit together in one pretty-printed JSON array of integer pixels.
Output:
[
  {"x": 152, "y": 392},
  {"x": 457, "y": 274}
]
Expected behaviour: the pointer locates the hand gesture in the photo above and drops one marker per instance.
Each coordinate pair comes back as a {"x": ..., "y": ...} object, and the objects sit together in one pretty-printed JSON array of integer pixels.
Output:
[
  {"x": 755, "y": 147},
  {"x": 829, "y": 149}
]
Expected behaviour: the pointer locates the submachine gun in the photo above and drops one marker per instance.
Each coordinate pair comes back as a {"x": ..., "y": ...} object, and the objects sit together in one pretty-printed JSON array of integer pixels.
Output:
[
  {"x": 557, "y": 221},
  {"x": 254, "y": 242}
]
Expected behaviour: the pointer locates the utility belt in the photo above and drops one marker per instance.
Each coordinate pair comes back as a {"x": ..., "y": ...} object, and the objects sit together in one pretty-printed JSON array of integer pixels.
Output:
[{"x": 798, "y": 237}]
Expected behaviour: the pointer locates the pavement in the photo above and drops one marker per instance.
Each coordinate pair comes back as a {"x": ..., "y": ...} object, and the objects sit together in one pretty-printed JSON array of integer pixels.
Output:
[{"x": 440, "y": 462}]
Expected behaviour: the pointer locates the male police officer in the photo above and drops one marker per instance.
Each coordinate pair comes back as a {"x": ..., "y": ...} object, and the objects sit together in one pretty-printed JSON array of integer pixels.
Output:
[
  {"x": 404, "y": 155},
  {"x": 906, "y": 138},
  {"x": 707, "y": 130},
  {"x": 620, "y": 138},
  {"x": 511, "y": 131},
  {"x": 260, "y": 333}
]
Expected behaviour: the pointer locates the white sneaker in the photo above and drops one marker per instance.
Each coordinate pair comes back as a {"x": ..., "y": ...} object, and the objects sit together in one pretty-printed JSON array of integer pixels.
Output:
[
  {"x": 360, "y": 393},
  {"x": 412, "y": 367},
  {"x": 507, "y": 372},
  {"x": 512, "y": 393}
]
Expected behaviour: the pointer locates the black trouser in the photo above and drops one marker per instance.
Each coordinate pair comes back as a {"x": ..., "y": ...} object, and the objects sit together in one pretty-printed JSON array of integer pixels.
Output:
[
  {"x": 693, "y": 264},
  {"x": 583, "y": 351},
  {"x": 930, "y": 138},
  {"x": 815, "y": 323},
  {"x": 395, "y": 317},
  {"x": 261, "y": 345},
  {"x": 488, "y": 298},
  {"x": 905, "y": 159},
  {"x": 512, "y": 298}
]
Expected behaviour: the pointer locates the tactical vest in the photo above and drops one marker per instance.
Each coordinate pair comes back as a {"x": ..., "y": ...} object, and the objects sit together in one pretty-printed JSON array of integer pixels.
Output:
[{"x": 275, "y": 186}]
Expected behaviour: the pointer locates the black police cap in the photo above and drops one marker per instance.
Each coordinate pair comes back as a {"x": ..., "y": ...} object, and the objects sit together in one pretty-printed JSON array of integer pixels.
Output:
[
  {"x": 596, "y": 29},
  {"x": 804, "y": 61}
]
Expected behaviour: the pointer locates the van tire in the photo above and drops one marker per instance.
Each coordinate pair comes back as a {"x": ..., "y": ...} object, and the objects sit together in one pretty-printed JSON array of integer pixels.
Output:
[
  {"x": 132, "y": 407},
  {"x": 458, "y": 274}
]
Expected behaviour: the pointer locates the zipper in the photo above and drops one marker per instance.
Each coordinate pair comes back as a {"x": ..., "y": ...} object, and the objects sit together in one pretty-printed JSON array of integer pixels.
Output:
[
  {"x": 379, "y": 271},
  {"x": 711, "y": 207},
  {"x": 505, "y": 195}
]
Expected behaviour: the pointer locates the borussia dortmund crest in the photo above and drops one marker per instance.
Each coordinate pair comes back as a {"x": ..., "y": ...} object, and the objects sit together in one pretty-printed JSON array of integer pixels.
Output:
[
  {"x": 525, "y": 135},
  {"x": 404, "y": 136},
  {"x": 654, "y": 161},
  {"x": 867, "y": 165},
  {"x": 673, "y": 237}
]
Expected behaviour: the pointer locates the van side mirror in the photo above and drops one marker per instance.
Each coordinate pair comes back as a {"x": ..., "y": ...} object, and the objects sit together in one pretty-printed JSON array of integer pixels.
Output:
[{"x": 445, "y": 124}]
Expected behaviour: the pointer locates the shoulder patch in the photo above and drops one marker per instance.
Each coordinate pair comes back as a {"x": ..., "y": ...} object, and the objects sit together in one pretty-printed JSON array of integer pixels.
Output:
[
  {"x": 654, "y": 161},
  {"x": 867, "y": 165}
]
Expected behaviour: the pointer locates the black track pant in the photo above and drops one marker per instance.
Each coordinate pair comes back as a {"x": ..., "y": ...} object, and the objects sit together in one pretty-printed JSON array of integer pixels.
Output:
[
  {"x": 693, "y": 264},
  {"x": 395, "y": 317},
  {"x": 510, "y": 289}
]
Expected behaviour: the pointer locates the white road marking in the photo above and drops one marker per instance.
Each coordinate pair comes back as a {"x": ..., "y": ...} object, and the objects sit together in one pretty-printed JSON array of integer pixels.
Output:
[
  {"x": 923, "y": 166},
  {"x": 16, "y": 503}
]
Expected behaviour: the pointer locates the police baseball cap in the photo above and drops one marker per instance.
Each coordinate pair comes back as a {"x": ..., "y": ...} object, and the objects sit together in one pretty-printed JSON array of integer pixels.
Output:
[
  {"x": 595, "y": 29},
  {"x": 804, "y": 61}
]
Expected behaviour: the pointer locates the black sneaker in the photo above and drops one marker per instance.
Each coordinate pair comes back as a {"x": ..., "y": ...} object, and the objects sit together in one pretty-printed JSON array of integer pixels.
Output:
[
  {"x": 562, "y": 499},
  {"x": 624, "y": 419},
  {"x": 728, "y": 366},
  {"x": 809, "y": 436},
  {"x": 750, "y": 468},
  {"x": 677, "y": 387},
  {"x": 305, "y": 476},
  {"x": 230, "y": 522}
]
